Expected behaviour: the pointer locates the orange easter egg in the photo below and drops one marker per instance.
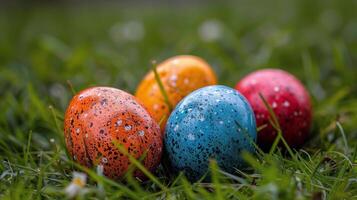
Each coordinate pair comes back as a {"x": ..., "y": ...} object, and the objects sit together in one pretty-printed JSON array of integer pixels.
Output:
[
  {"x": 98, "y": 118},
  {"x": 180, "y": 76}
]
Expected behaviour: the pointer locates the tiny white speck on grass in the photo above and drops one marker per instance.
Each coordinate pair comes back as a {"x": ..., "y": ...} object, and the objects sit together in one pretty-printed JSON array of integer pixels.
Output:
[
  {"x": 210, "y": 30},
  {"x": 52, "y": 140},
  {"x": 77, "y": 184}
]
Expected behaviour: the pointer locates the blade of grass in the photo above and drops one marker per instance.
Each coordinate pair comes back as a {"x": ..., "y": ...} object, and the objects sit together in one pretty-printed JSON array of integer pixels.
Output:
[{"x": 161, "y": 86}]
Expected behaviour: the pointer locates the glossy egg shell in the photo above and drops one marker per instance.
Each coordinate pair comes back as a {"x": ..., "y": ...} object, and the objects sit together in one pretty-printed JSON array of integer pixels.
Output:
[
  {"x": 211, "y": 122},
  {"x": 289, "y": 100},
  {"x": 99, "y": 116},
  {"x": 180, "y": 76}
]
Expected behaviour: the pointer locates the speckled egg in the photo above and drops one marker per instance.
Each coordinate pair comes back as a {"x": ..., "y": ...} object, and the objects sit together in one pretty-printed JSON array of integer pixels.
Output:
[
  {"x": 180, "y": 76},
  {"x": 289, "y": 100},
  {"x": 98, "y": 117},
  {"x": 211, "y": 122}
]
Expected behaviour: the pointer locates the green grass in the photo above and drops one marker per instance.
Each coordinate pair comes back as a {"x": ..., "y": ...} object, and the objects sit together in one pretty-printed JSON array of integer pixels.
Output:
[{"x": 49, "y": 52}]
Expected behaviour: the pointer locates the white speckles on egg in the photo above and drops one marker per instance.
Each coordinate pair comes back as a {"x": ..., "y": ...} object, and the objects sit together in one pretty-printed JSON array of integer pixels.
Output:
[
  {"x": 104, "y": 160},
  {"x": 127, "y": 127},
  {"x": 176, "y": 61},
  {"x": 118, "y": 123},
  {"x": 201, "y": 118},
  {"x": 173, "y": 80},
  {"x": 190, "y": 136},
  {"x": 229, "y": 92},
  {"x": 141, "y": 133},
  {"x": 209, "y": 129},
  {"x": 155, "y": 106},
  {"x": 155, "y": 87},
  {"x": 274, "y": 104},
  {"x": 276, "y": 89},
  {"x": 186, "y": 81},
  {"x": 286, "y": 104},
  {"x": 253, "y": 82},
  {"x": 176, "y": 128},
  {"x": 173, "y": 77}
]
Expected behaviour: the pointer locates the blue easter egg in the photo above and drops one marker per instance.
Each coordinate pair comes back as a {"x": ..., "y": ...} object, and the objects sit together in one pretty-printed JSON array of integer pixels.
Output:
[{"x": 212, "y": 122}]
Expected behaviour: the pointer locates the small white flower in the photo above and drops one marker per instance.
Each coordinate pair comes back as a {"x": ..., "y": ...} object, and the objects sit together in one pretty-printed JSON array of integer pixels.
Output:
[
  {"x": 210, "y": 30},
  {"x": 78, "y": 182}
]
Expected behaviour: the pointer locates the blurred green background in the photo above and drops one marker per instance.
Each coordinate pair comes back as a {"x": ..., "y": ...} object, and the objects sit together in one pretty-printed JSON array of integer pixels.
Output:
[{"x": 45, "y": 45}]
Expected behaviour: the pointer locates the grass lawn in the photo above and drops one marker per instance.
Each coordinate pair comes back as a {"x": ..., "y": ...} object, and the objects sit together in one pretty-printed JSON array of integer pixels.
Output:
[{"x": 48, "y": 50}]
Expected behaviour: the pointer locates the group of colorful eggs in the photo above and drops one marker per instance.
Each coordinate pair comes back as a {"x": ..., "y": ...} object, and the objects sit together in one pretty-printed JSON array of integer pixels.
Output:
[{"x": 207, "y": 121}]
